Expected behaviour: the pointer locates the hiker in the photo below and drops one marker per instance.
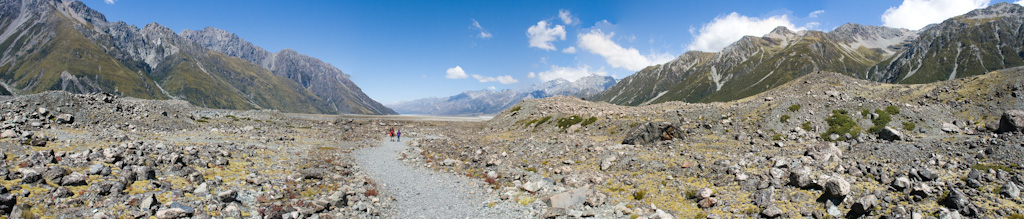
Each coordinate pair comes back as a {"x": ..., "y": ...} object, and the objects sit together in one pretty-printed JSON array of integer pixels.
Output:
[
  {"x": 399, "y": 134},
  {"x": 392, "y": 134}
]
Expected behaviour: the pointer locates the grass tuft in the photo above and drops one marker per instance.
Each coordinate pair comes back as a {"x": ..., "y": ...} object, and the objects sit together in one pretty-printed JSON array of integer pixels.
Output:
[{"x": 794, "y": 108}]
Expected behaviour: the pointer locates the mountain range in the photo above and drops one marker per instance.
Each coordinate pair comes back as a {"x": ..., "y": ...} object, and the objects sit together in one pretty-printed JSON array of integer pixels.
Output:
[
  {"x": 487, "y": 102},
  {"x": 974, "y": 43},
  {"x": 65, "y": 45}
]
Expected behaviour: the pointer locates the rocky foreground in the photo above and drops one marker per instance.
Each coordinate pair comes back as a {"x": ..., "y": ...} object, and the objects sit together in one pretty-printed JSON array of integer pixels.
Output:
[
  {"x": 100, "y": 156},
  {"x": 822, "y": 146}
]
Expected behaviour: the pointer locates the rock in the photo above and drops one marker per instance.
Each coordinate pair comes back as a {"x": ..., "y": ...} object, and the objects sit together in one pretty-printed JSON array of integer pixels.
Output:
[
  {"x": 705, "y": 193},
  {"x": 232, "y": 211},
  {"x": 958, "y": 201},
  {"x": 145, "y": 173},
  {"x": 707, "y": 202},
  {"x": 950, "y": 128},
  {"x": 171, "y": 213},
  {"x": 742, "y": 177},
  {"x": 890, "y": 134},
  {"x": 101, "y": 215},
  {"x": 104, "y": 188},
  {"x": 764, "y": 197},
  {"x": 921, "y": 189},
  {"x": 1011, "y": 121},
  {"x": 927, "y": 174},
  {"x": 801, "y": 177},
  {"x": 338, "y": 199},
  {"x": 901, "y": 183},
  {"x": 202, "y": 190},
  {"x": 607, "y": 162},
  {"x": 864, "y": 204},
  {"x": 227, "y": 196},
  {"x": 570, "y": 198},
  {"x": 188, "y": 209},
  {"x": 771, "y": 212},
  {"x": 650, "y": 132},
  {"x": 492, "y": 174},
  {"x": 837, "y": 187},
  {"x": 533, "y": 187},
  {"x": 824, "y": 152},
  {"x": 148, "y": 202},
  {"x": 776, "y": 173},
  {"x": 660, "y": 214},
  {"x": 95, "y": 169},
  {"x": 9, "y": 134},
  {"x": 38, "y": 142},
  {"x": 7, "y": 202},
  {"x": 62, "y": 192},
  {"x": 1011, "y": 190},
  {"x": 450, "y": 162},
  {"x": 30, "y": 176},
  {"x": 65, "y": 119},
  {"x": 54, "y": 174},
  {"x": 74, "y": 179}
]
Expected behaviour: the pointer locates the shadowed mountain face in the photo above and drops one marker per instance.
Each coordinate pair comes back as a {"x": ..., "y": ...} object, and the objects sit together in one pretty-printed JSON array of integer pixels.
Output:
[
  {"x": 980, "y": 41},
  {"x": 58, "y": 45},
  {"x": 323, "y": 79},
  {"x": 484, "y": 102}
]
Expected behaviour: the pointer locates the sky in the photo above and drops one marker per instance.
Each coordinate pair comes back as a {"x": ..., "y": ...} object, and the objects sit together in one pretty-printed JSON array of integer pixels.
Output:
[{"x": 406, "y": 50}]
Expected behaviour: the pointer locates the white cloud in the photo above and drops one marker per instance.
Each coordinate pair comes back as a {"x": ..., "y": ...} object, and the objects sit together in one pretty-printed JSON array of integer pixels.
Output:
[
  {"x": 815, "y": 14},
  {"x": 492, "y": 88},
  {"x": 455, "y": 73},
  {"x": 916, "y": 14},
  {"x": 531, "y": 75},
  {"x": 725, "y": 30},
  {"x": 569, "y": 50},
  {"x": 812, "y": 25},
  {"x": 1021, "y": 2},
  {"x": 567, "y": 73},
  {"x": 504, "y": 79},
  {"x": 541, "y": 36},
  {"x": 110, "y": 2},
  {"x": 597, "y": 42},
  {"x": 483, "y": 32},
  {"x": 567, "y": 17}
]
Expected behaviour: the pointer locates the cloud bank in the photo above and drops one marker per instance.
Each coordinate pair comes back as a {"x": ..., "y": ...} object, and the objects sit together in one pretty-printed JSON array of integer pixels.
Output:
[{"x": 916, "y": 14}]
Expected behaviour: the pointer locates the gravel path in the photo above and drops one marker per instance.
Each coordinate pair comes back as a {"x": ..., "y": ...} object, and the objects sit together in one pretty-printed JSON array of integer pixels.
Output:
[{"x": 423, "y": 193}]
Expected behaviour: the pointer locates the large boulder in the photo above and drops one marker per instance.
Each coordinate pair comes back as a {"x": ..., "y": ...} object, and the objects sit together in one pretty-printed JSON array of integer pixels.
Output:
[
  {"x": 837, "y": 187},
  {"x": 890, "y": 134},
  {"x": 1012, "y": 121},
  {"x": 569, "y": 199},
  {"x": 650, "y": 132},
  {"x": 824, "y": 152},
  {"x": 959, "y": 201}
]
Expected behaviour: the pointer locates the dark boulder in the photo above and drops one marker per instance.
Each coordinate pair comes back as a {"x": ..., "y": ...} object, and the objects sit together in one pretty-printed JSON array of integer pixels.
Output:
[{"x": 650, "y": 132}]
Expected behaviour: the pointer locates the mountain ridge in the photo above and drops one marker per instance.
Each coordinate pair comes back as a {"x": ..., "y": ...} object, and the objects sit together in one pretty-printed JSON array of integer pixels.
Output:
[
  {"x": 154, "y": 62},
  {"x": 991, "y": 37},
  {"x": 487, "y": 102}
]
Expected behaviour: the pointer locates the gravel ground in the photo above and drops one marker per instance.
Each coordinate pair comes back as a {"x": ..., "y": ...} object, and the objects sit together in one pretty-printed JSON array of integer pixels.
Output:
[{"x": 423, "y": 193}]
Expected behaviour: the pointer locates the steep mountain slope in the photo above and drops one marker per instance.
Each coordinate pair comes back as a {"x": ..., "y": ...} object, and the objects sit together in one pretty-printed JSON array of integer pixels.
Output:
[
  {"x": 980, "y": 41},
  {"x": 58, "y": 45},
  {"x": 41, "y": 50},
  {"x": 322, "y": 79},
  {"x": 484, "y": 102},
  {"x": 755, "y": 64}
]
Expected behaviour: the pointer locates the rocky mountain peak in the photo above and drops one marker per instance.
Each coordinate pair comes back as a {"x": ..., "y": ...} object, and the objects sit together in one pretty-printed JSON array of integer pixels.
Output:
[
  {"x": 871, "y": 37},
  {"x": 1003, "y": 9}
]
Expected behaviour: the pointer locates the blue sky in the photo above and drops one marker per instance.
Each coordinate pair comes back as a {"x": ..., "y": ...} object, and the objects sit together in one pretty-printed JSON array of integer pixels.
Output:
[{"x": 405, "y": 50}]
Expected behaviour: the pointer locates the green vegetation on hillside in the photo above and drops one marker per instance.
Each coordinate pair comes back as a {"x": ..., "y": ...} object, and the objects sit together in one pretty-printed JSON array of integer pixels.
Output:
[{"x": 840, "y": 123}]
